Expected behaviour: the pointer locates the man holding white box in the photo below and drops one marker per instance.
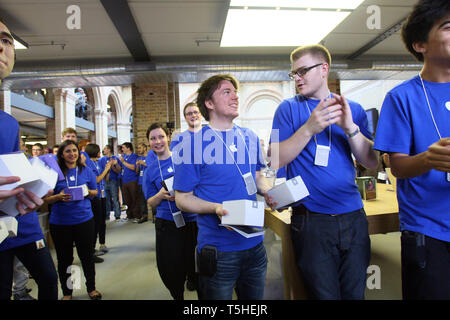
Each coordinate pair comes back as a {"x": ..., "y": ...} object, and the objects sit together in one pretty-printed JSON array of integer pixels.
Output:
[
  {"x": 222, "y": 162},
  {"x": 28, "y": 245},
  {"x": 318, "y": 133}
]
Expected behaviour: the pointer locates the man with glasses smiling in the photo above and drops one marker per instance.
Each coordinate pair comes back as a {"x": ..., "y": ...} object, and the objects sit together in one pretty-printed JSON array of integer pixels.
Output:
[{"x": 318, "y": 133}]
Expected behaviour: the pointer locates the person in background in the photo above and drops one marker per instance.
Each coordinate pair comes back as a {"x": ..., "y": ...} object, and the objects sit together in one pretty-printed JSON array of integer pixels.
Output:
[
  {"x": 72, "y": 221},
  {"x": 55, "y": 149},
  {"x": 111, "y": 182},
  {"x": 193, "y": 119},
  {"x": 99, "y": 202},
  {"x": 175, "y": 243},
  {"x": 130, "y": 182},
  {"x": 37, "y": 150},
  {"x": 29, "y": 245},
  {"x": 419, "y": 153},
  {"x": 141, "y": 165}
]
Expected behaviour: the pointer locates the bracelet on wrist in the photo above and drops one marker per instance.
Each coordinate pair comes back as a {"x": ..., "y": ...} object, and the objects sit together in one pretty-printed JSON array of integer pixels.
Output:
[{"x": 352, "y": 134}]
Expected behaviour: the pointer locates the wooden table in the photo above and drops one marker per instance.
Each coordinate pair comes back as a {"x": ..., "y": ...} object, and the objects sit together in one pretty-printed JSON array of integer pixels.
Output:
[{"x": 382, "y": 215}]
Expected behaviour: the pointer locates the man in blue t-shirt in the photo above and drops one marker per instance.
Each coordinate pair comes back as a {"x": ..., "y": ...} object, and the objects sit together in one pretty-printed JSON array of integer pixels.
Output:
[
  {"x": 111, "y": 182},
  {"x": 315, "y": 134},
  {"x": 29, "y": 245},
  {"x": 414, "y": 128},
  {"x": 130, "y": 182},
  {"x": 211, "y": 169}
]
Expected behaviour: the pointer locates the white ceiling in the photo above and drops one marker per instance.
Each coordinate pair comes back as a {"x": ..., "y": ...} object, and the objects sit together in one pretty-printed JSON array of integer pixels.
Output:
[{"x": 182, "y": 41}]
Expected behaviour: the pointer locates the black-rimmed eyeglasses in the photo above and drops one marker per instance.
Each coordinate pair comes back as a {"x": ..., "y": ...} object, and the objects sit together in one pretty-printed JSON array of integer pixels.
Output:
[{"x": 302, "y": 72}]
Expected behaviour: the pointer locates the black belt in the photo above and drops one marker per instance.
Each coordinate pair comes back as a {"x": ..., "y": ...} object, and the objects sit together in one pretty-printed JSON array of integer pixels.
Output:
[{"x": 301, "y": 210}]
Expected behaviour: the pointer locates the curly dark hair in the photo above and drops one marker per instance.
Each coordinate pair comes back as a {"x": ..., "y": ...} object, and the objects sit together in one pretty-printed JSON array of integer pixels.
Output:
[{"x": 420, "y": 21}]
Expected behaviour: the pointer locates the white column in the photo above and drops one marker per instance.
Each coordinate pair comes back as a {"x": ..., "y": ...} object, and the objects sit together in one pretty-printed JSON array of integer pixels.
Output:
[
  {"x": 101, "y": 128},
  {"x": 123, "y": 132},
  {"x": 65, "y": 100},
  {"x": 5, "y": 101}
]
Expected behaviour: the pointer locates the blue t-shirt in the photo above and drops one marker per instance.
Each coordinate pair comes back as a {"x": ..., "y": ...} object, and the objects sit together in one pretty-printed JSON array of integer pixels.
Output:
[
  {"x": 153, "y": 185},
  {"x": 332, "y": 189},
  {"x": 205, "y": 166},
  {"x": 406, "y": 126},
  {"x": 98, "y": 167},
  {"x": 141, "y": 170},
  {"x": 28, "y": 227},
  {"x": 73, "y": 212},
  {"x": 151, "y": 156},
  {"x": 112, "y": 174},
  {"x": 129, "y": 175}
]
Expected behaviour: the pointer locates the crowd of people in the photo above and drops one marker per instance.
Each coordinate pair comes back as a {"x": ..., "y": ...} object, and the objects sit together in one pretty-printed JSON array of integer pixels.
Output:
[{"x": 187, "y": 177}]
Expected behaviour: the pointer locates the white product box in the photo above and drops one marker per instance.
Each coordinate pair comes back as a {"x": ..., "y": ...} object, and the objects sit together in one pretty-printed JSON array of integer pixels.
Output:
[
  {"x": 35, "y": 176},
  {"x": 244, "y": 213},
  {"x": 11, "y": 225},
  {"x": 169, "y": 184},
  {"x": 3, "y": 231},
  {"x": 289, "y": 192}
]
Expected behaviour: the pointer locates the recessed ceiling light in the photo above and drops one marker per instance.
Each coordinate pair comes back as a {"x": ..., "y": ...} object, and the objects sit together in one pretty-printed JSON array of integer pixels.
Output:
[{"x": 278, "y": 23}]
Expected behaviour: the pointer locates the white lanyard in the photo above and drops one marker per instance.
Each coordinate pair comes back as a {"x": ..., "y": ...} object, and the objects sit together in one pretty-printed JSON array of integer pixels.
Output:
[
  {"x": 76, "y": 179},
  {"x": 429, "y": 108},
  {"x": 162, "y": 178},
  {"x": 249, "y": 181},
  {"x": 231, "y": 153},
  {"x": 432, "y": 117}
]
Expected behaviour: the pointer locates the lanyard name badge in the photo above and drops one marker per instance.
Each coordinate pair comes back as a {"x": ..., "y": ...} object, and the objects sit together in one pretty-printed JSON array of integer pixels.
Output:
[
  {"x": 432, "y": 117},
  {"x": 249, "y": 181},
  {"x": 177, "y": 216},
  {"x": 322, "y": 152}
]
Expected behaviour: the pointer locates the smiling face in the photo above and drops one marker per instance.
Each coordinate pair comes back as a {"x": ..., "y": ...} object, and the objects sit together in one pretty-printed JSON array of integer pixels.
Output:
[
  {"x": 158, "y": 141},
  {"x": 224, "y": 102},
  {"x": 437, "y": 46},
  {"x": 70, "y": 154},
  {"x": 193, "y": 116},
  {"x": 6, "y": 52},
  {"x": 314, "y": 82}
]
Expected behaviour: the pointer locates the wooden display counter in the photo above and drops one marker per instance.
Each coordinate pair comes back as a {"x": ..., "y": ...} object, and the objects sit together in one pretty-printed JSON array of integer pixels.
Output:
[{"x": 382, "y": 215}]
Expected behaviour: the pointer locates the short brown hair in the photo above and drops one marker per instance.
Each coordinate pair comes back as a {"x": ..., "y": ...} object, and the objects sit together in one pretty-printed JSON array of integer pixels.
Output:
[
  {"x": 190, "y": 104},
  {"x": 313, "y": 49},
  {"x": 207, "y": 89}
]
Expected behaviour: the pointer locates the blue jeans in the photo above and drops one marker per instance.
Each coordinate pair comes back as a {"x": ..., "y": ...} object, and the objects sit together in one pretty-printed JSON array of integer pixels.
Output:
[
  {"x": 245, "y": 270},
  {"x": 112, "y": 196},
  {"x": 332, "y": 253}
]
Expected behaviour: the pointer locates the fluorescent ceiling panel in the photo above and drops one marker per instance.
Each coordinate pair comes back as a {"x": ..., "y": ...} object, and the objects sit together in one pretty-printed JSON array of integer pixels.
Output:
[
  {"x": 269, "y": 28},
  {"x": 18, "y": 45},
  {"x": 334, "y": 4}
]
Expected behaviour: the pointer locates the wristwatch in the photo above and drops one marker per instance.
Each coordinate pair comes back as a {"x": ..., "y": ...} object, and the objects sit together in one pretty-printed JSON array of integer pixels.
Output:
[{"x": 354, "y": 133}]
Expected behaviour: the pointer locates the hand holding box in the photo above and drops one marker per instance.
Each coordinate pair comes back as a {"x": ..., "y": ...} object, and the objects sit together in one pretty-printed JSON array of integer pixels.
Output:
[
  {"x": 243, "y": 212},
  {"x": 35, "y": 177},
  {"x": 289, "y": 192}
]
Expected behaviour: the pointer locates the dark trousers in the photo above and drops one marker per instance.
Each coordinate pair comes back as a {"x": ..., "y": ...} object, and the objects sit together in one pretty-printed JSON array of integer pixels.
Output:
[
  {"x": 425, "y": 267},
  {"x": 332, "y": 253},
  {"x": 130, "y": 198},
  {"x": 99, "y": 210},
  {"x": 142, "y": 201},
  {"x": 40, "y": 265},
  {"x": 83, "y": 236},
  {"x": 175, "y": 254}
]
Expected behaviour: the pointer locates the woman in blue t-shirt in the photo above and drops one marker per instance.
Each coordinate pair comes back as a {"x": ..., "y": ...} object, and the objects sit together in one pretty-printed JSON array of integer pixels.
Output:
[
  {"x": 176, "y": 232},
  {"x": 72, "y": 219},
  {"x": 100, "y": 169}
]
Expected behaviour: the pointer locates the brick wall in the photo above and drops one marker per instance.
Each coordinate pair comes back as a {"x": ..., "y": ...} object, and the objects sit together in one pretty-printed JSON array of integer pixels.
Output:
[{"x": 153, "y": 102}]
